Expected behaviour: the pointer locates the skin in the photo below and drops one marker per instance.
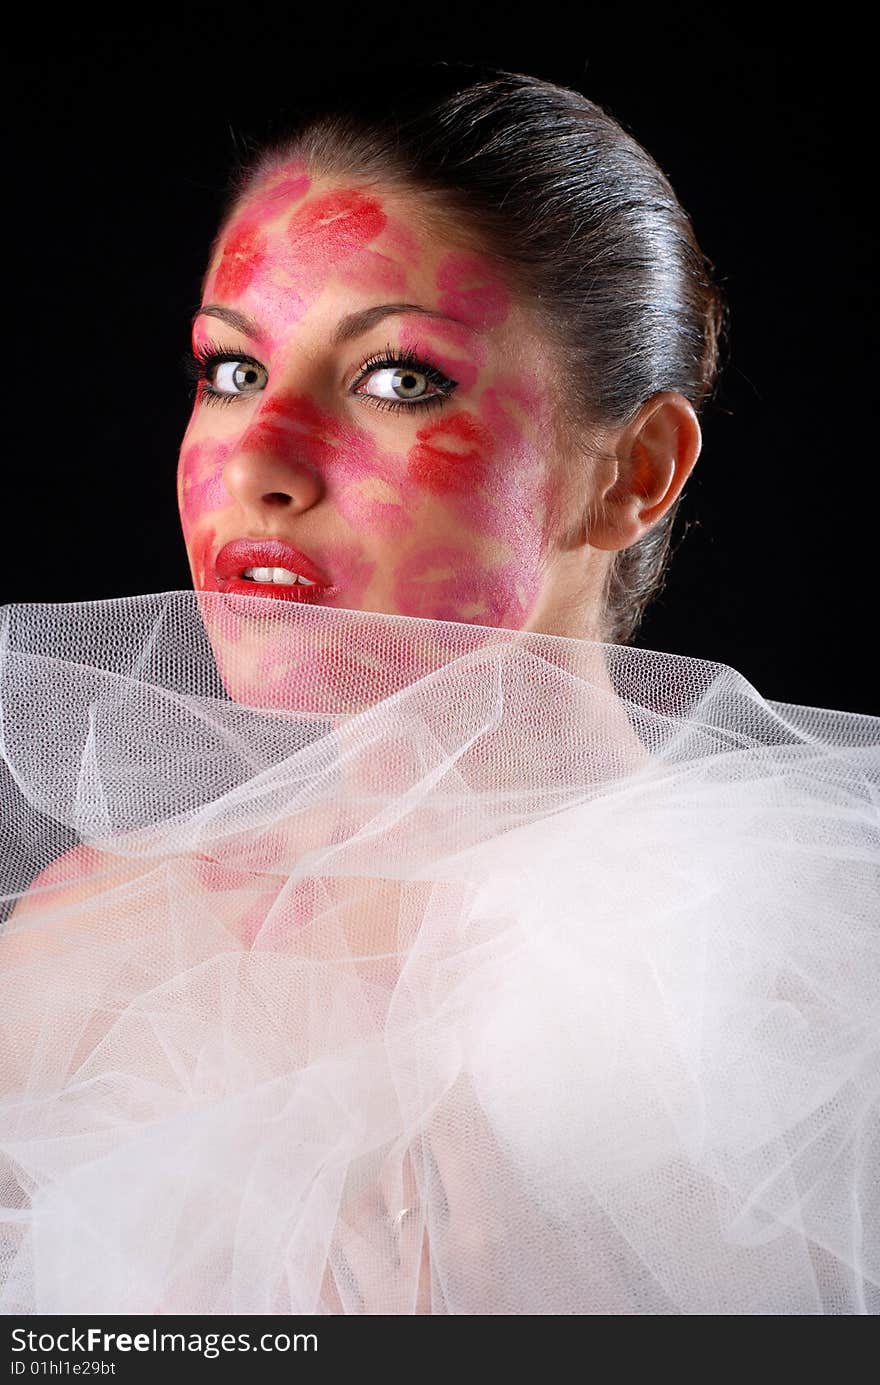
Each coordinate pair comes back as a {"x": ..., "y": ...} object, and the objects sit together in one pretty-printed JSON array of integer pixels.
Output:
[
  {"x": 451, "y": 512},
  {"x": 448, "y": 511}
]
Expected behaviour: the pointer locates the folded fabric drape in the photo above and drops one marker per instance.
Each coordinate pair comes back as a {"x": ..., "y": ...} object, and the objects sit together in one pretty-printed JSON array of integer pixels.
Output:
[{"x": 360, "y": 963}]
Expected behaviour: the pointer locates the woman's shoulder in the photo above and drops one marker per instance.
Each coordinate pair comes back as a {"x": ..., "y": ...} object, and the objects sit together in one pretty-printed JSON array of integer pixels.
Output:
[{"x": 60, "y": 894}]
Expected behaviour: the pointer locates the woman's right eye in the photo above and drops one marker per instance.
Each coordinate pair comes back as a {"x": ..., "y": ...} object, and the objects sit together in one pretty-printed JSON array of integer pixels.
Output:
[
  {"x": 222, "y": 376},
  {"x": 235, "y": 376}
]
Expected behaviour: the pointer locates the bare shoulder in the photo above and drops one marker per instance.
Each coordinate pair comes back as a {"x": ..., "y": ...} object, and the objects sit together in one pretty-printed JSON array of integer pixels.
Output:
[
  {"x": 40, "y": 991},
  {"x": 72, "y": 879}
]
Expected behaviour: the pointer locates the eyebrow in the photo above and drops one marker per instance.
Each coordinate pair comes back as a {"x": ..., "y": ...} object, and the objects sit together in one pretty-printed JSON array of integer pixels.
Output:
[{"x": 352, "y": 325}]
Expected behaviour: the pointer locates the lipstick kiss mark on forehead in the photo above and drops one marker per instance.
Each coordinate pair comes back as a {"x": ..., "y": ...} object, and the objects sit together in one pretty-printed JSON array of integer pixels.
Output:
[
  {"x": 459, "y": 336},
  {"x": 471, "y": 290},
  {"x": 334, "y": 226},
  {"x": 244, "y": 257},
  {"x": 462, "y": 368},
  {"x": 282, "y": 264},
  {"x": 276, "y": 193},
  {"x": 371, "y": 271}
]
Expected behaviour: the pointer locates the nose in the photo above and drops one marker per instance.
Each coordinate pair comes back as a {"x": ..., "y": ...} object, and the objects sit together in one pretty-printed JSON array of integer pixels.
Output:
[{"x": 275, "y": 465}]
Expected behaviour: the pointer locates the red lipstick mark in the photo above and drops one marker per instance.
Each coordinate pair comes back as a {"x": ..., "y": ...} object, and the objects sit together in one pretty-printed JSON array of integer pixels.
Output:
[
  {"x": 371, "y": 271},
  {"x": 200, "y": 478},
  {"x": 364, "y": 481},
  {"x": 462, "y": 338},
  {"x": 458, "y": 368},
  {"x": 450, "y": 456},
  {"x": 245, "y": 256},
  {"x": 470, "y": 291},
  {"x": 274, "y": 196},
  {"x": 202, "y": 568},
  {"x": 292, "y": 426},
  {"x": 334, "y": 226},
  {"x": 447, "y": 582}
]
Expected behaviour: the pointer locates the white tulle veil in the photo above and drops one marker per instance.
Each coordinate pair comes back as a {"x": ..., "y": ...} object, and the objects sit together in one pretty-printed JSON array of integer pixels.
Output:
[{"x": 359, "y": 963}]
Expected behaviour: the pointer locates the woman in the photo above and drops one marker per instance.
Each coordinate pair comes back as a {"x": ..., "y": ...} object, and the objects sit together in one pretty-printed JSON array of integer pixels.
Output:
[{"x": 421, "y": 947}]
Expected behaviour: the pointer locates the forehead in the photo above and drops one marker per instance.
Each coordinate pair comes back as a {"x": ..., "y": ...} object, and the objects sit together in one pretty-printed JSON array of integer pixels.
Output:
[
  {"x": 295, "y": 235},
  {"x": 320, "y": 221}
]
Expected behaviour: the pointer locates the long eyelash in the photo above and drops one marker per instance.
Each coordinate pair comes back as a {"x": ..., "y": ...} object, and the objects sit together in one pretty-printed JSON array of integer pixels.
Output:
[
  {"x": 198, "y": 366},
  {"x": 400, "y": 356}
]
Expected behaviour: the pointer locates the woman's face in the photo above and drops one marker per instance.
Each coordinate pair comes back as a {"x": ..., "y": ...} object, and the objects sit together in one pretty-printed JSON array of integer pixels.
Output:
[{"x": 373, "y": 396}]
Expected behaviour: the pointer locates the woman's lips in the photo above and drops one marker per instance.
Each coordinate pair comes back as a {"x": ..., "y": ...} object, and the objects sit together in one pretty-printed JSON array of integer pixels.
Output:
[{"x": 235, "y": 557}]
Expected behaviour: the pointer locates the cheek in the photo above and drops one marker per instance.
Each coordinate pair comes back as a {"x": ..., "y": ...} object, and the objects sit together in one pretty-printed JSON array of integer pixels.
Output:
[
  {"x": 364, "y": 480},
  {"x": 200, "y": 486},
  {"x": 487, "y": 469},
  {"x": 518, "y": 414},
  {"x": 352, "y": 570},
  {"x": 451, "y": 457},
  {"x": 199, "y": 552},
  {"x": 451, "y": 582},
  {"x": 489, "y": 472}
]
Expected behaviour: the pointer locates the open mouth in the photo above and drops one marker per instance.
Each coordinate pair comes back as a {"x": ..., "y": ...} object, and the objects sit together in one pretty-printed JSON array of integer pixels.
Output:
[
  {"x": 278, "y": 576},
  {"x": 270, "y": 567},
  {"x": 289, "y": 586}
]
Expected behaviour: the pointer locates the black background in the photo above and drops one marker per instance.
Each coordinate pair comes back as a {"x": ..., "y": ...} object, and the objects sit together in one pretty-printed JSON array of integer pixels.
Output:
[{"x": 121, "y": 139}]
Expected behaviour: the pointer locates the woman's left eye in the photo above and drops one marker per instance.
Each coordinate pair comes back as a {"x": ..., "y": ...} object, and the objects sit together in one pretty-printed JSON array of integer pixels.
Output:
[
  {"x": 398, "y": 383},
  {"x": 393, "y": 384}
]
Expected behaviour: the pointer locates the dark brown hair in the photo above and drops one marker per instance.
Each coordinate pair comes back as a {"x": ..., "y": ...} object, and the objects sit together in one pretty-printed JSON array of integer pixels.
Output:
[{"x": 575, "y": 212}]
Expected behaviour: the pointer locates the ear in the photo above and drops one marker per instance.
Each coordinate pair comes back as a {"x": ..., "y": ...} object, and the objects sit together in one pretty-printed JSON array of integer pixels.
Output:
[{"x": 653, "y": 457}]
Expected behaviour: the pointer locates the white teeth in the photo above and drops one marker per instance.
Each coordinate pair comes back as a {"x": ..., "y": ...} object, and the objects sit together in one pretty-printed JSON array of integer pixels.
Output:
[{"x": 279, "y": 575}]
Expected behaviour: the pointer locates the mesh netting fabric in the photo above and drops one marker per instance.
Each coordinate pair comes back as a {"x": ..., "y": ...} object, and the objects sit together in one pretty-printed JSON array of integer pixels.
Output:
[{"x": 363, "y": 964}]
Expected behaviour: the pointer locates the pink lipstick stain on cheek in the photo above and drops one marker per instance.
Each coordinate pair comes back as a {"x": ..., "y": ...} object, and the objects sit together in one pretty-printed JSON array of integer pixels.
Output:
[
  {"x": 200, "y": 487},
  {"x": 518, "y": 412},
  {"x": 449, "y": 582},
  {"x": 352, "y": 572},
  {"x": 452, "y": 456},
  {"x": 364, "y": 482},
  {"x": 200, "y": 550},
  {"x": 494, "y": 478},
  {"x": 485, "y": 470}
]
